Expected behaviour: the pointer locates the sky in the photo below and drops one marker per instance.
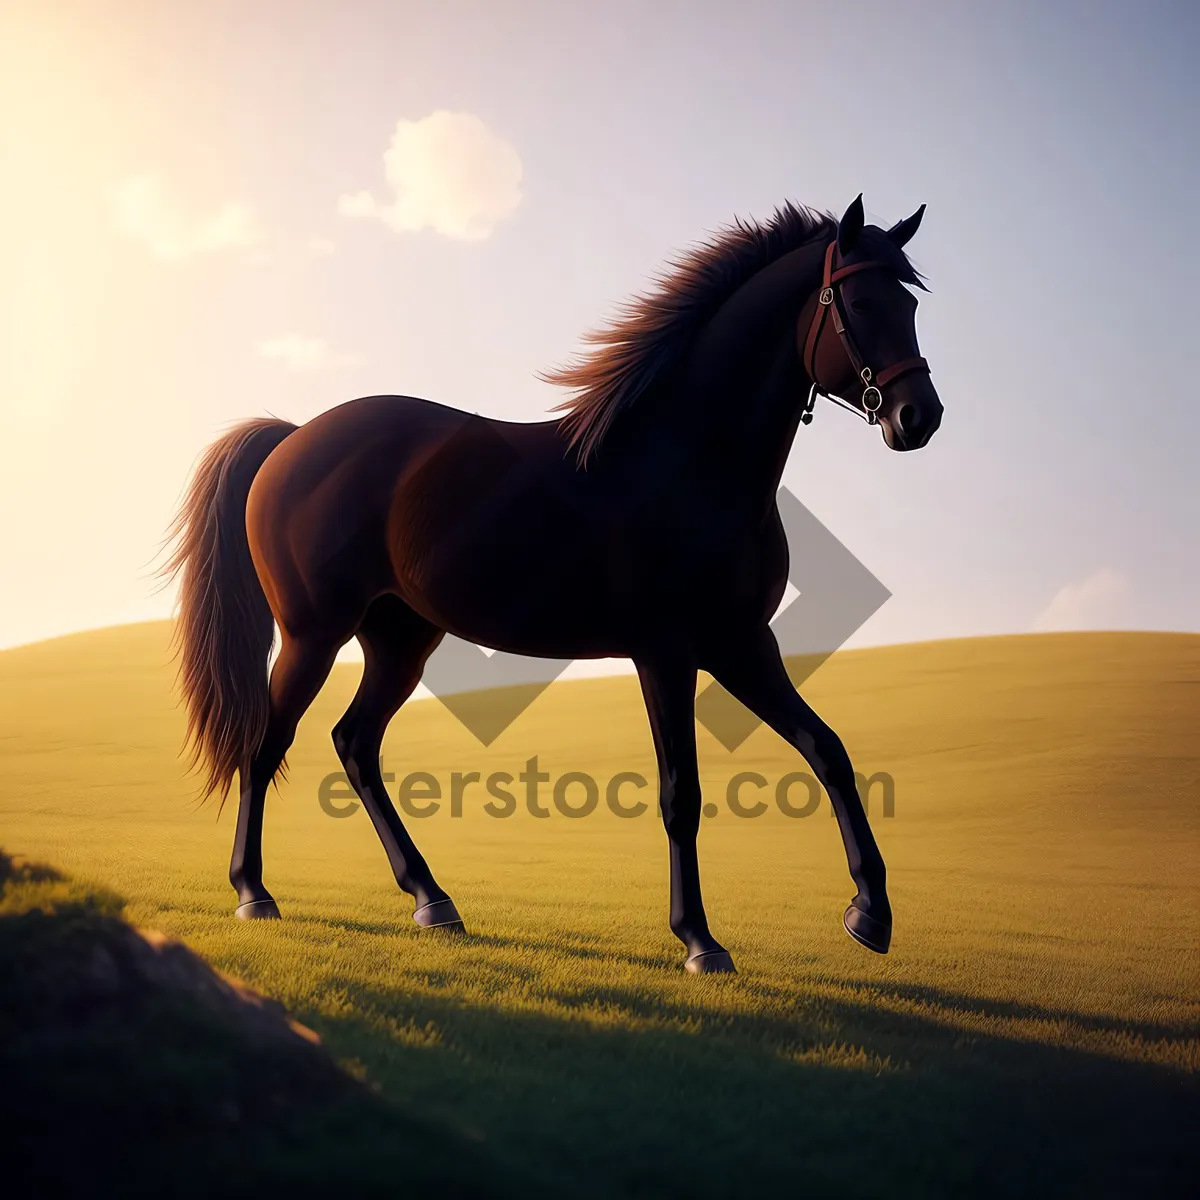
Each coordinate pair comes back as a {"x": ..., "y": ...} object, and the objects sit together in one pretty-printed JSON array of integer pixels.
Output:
[{"x": 212, "y": 211}]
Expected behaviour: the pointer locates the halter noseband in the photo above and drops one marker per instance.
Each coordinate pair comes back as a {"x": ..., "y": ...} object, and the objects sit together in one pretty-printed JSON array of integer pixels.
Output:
[{"x": 829, "y": 302}]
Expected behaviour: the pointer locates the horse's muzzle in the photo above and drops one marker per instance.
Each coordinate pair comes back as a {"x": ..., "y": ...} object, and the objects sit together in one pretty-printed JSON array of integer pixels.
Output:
[{"x": 913, "y": 418}]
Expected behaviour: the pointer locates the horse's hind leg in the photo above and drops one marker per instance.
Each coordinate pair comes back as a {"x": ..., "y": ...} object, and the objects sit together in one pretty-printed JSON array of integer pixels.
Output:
[
  {"x": 669, "y": 688},
  {"x": 302, "y": 667},
  {"x": 395, "y": 642}
]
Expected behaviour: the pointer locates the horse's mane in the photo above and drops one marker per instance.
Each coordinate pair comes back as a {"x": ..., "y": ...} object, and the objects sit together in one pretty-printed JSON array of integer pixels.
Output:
[{"x": 650, "y": 330}]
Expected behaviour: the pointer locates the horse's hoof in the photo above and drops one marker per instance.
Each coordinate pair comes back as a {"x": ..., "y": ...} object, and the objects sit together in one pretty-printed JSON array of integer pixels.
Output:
[
  {"x": 867, "y": 931},
  {"x": 441, "y": 914},
  {"x": 711, "y": 962},
  {"x": 257, "y": 910}
]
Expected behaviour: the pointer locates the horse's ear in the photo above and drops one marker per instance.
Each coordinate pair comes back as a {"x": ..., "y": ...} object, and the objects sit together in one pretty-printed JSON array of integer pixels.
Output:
[
  {"x": 902, "y": 232},
  {"x": 850, "y": 226}
]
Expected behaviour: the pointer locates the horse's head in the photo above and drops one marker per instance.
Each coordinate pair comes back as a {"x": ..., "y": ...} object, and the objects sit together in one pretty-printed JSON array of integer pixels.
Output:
[{"x": 858, "y": 337}]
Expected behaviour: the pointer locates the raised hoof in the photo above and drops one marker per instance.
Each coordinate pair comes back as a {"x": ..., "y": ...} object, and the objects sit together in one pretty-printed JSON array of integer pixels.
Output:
[
  {"x": 257, "y": 910},
  {"x": 441, "y": 914},
  {"x": 711, "y": 962},
  {"x": 867, "y": 931}
]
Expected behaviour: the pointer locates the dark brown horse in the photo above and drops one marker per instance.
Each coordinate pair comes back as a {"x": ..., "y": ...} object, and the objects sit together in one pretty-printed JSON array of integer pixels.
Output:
[{"x": 641, "y": 525}]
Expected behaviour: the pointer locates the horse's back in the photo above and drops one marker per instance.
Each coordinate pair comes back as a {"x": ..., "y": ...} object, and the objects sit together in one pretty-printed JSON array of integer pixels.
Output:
[{"x": 379, "y": 494}]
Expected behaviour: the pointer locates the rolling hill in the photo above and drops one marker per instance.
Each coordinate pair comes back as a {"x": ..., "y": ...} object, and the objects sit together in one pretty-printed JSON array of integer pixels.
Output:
[{"x": 1036, "y": 1022}]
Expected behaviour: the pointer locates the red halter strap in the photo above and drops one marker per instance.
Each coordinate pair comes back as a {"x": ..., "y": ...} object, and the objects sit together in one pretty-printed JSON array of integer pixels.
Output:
[{"x": 829, "y": 303}]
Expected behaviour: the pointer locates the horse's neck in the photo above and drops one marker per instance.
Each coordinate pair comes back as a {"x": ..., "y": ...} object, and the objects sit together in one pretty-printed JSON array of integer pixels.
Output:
[{"x": 739, "y": 399}]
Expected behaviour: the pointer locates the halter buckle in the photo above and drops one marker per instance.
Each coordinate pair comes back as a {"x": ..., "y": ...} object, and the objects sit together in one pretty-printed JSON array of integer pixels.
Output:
[
  {"x": 865, "y": 375},
  {"x": 806, "y": 413},
  {"x": 826, "y": 296},
  {"x": 872, "y": 397}
]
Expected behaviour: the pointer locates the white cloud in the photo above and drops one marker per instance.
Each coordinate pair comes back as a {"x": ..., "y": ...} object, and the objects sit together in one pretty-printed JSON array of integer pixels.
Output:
[
  {"x": 447, "y": 172},
  {"x": 1099, "y": 601},
  {"x": 299, "y": 353},
  {"x": 145, "y": 210}
]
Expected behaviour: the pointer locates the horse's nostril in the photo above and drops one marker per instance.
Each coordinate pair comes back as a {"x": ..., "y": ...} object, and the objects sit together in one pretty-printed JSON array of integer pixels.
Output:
[{"x": 908, "y": 418}]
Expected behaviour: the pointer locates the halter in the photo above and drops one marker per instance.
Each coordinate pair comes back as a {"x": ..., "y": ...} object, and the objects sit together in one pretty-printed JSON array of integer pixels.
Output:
[{"x": 829, "y": 302}]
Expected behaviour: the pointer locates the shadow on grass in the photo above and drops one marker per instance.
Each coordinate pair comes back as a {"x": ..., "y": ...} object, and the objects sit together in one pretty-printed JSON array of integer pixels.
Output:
[
  {"x": 569, "y": 948},
  {"x": 936, "y": 998},
  {"x": 18, "y": 871},
  {"x": 405, "y": 928},
  {"x": 128, "y": 1067},
  {"x": 632, "y": 1094},
  {"x": 115, "y": 1079}
]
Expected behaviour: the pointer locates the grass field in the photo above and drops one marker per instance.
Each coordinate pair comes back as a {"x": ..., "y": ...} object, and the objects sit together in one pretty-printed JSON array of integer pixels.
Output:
[{"x": 1035, "y": 1030}]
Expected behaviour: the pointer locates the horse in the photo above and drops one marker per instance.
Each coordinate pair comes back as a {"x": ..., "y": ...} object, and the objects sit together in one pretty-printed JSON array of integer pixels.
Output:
[{"x": 641, "y": 523}]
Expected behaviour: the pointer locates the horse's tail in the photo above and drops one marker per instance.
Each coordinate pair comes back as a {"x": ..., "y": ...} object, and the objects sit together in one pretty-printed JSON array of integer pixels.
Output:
[{"x": 224, "y": 629}]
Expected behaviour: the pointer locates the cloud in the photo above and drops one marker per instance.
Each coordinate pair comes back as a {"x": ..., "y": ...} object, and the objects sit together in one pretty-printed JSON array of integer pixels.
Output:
[
  {"x": 144, "y": 209},
  {"x": 299, "y": 353},
  {"x": 1099, "y": 601},
  {"x": 447, "y": 172}
]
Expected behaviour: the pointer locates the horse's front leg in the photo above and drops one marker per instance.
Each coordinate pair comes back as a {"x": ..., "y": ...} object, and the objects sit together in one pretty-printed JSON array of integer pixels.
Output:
[
  {"x": 669, "y": 688},
  {"x": 753, "y": 671}
]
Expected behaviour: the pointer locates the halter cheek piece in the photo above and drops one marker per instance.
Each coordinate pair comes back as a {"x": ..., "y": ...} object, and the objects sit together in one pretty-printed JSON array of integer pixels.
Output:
[{"x": 829, "y": 303}]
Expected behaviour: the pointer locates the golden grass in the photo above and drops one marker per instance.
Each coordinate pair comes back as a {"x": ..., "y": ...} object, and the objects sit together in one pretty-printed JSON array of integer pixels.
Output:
[{"x": 1042, "y": 867}]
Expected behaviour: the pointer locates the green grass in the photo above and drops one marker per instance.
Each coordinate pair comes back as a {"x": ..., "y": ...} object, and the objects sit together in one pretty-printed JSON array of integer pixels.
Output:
[{"x": 1035, "y": 1028}]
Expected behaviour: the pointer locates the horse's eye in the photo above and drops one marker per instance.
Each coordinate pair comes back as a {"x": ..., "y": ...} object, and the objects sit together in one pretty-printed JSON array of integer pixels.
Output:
[{"x": 864, "y": 307}]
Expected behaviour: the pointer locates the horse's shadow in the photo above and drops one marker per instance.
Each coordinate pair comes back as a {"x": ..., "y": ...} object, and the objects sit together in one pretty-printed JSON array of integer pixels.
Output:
[
  {"x": 938, "y": 998},
  {"x": 569, "y": 947},
  {"x": 626, "y": 1088}
]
